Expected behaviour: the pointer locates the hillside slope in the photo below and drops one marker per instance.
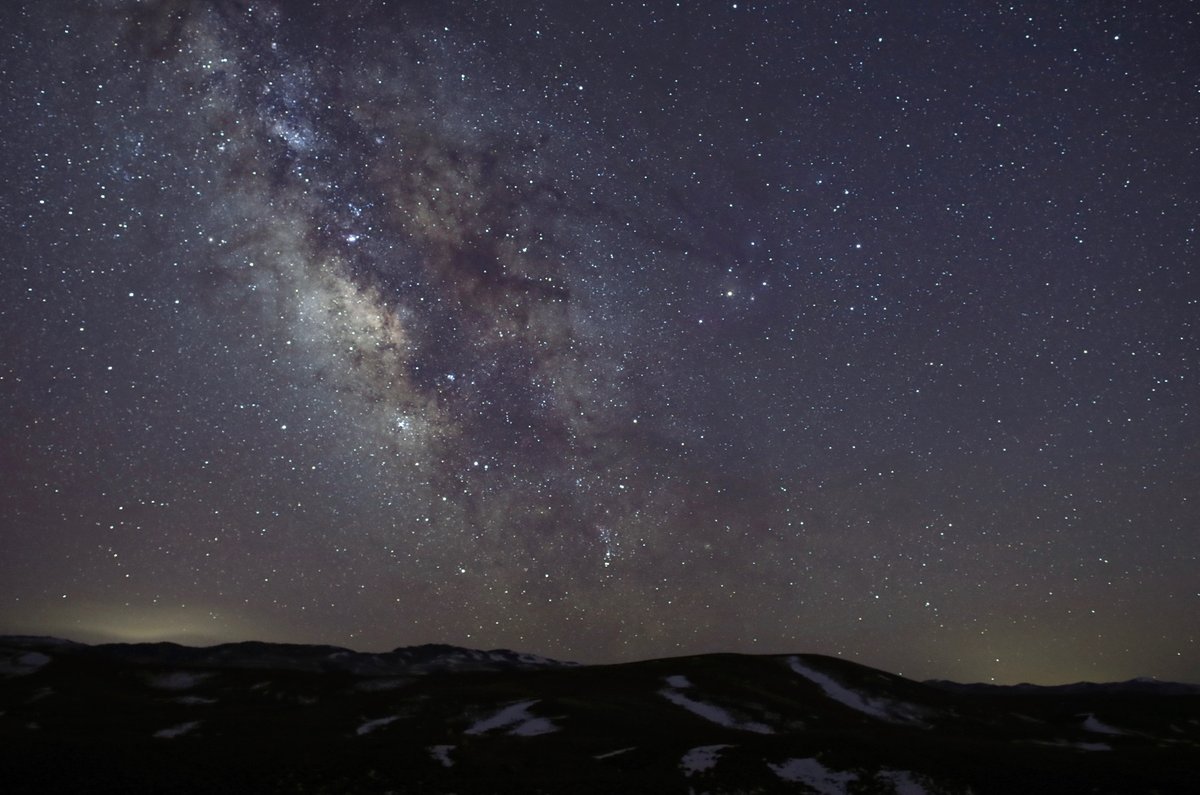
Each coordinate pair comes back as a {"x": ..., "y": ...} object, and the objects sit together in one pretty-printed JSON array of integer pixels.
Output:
[{"x": 273, "y": 718}]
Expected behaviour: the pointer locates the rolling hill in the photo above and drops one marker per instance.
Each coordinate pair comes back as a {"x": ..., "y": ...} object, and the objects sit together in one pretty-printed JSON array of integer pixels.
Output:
[{"x": 259, "y": 717}]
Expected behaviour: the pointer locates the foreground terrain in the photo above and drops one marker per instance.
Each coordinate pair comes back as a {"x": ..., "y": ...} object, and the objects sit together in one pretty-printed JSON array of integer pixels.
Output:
[{"x": 256, "y": 717}]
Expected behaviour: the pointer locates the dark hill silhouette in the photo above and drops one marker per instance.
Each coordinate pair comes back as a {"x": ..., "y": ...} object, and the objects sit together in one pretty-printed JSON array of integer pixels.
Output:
[{"x": 263, "y": 717}]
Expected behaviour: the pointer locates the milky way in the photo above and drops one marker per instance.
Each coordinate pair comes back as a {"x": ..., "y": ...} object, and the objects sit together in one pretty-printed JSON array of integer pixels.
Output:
[{"x": 605, "y": 333}]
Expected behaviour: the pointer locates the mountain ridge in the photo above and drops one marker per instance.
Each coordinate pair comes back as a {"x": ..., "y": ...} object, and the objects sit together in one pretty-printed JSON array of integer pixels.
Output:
[
  {"x": 261, "y": 717},
  {"x": 421, "y": 658},
  {"x": 430, "y": 653}
]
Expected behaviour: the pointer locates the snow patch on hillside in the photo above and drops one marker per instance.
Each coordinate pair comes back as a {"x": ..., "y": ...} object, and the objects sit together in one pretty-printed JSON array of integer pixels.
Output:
[
  {"x": 441, "y": 753},
  {"x": 1095, "y": 725},
  {"x": 701, "y": 758},
  {"x": 372, "y": 725},
  {"x": 903, "y": 782},
  {"x": 1090, "y": 746},
  {"x": 1076, "y": 746},
  {"x": 25, "y": 663},
  {"x": 812, "y": 773},
  {"x": 518, "y": 716},
  {"x": 881, "y": 708},
  {"x": 176, "y": 731},
  {"x": 536, "y": 659},
  {"x": 710, "y": 712}
]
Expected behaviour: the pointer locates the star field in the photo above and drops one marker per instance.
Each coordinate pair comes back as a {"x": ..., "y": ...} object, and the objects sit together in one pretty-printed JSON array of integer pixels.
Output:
[{"x": 606, "y": 330}]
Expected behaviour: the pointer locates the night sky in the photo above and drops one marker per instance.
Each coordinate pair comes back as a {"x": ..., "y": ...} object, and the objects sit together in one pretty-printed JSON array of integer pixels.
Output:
[{"x": 607, "y": 331}]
